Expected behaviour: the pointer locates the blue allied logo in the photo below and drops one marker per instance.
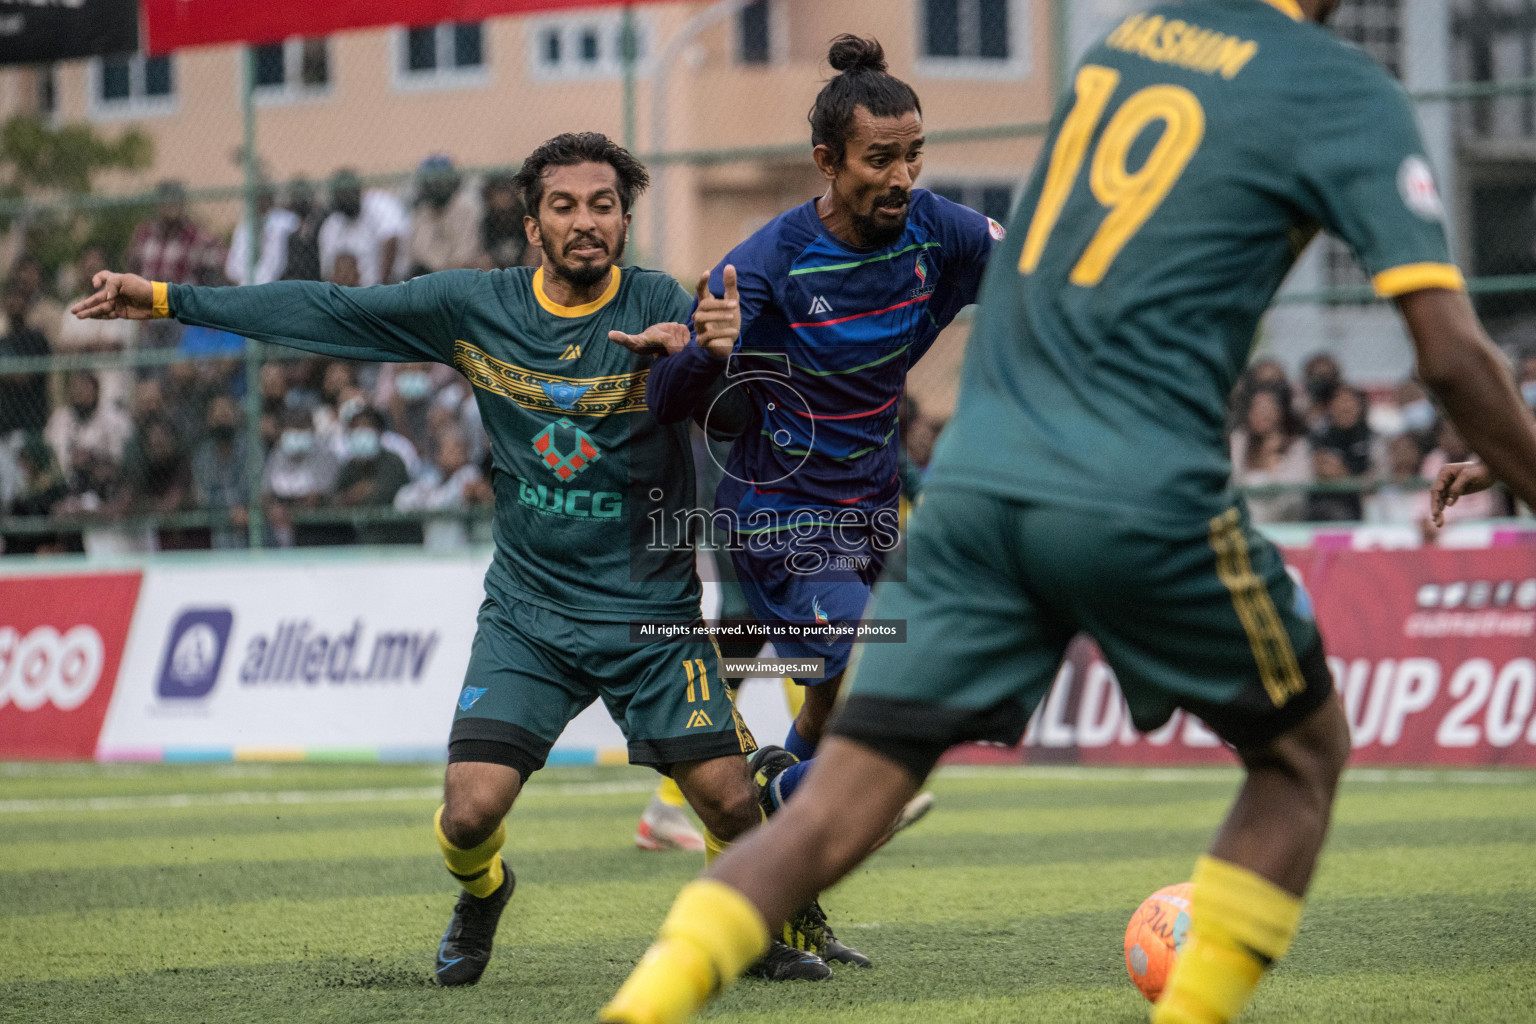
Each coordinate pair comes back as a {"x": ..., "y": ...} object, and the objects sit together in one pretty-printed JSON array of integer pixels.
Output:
[
  {"x": 194, "y": 653},
  {"x": 470, "y": 695},
  {"x": 562, "y": 394}
]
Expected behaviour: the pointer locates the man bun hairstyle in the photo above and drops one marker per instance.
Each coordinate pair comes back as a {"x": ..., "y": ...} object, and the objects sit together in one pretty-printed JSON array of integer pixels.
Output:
[
  {"x": 573, "y": 148},
  {"x": 861, "y": 81}
]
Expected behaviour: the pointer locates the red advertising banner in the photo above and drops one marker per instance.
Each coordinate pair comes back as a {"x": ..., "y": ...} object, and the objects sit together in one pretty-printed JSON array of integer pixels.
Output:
[
  {"x": 173, "y": 24},
  {"x": 61, "y": 640},
  {"x": 1433, "y": 652}
]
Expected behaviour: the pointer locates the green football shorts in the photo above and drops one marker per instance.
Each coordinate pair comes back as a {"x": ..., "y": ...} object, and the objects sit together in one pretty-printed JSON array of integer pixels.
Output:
[
  {"x": 1201, "y": 616},
  {"x": 532, "y": 670}
]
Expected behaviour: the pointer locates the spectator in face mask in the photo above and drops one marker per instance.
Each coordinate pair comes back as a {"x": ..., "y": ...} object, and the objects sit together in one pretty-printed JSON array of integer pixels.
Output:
[
  {"x": 1320, "y": 377},
  {"x": 220, "y": 477},
  {"x": 503, "y": 239},
  {"x": 1346, "y": 432},
  {"x": 451, "y": 482},
  {"x": 370, "y": 478},
  {"x": 300, "y": 474},
  {"x": 372, "y": 225},
  {"x": 86, "y": 426},
  {"x": 1398, "y": 500},
  {"x": 405, "y": 391},
  {"x": 445, "y": 224},
  {"x": 303, "y": 243}
]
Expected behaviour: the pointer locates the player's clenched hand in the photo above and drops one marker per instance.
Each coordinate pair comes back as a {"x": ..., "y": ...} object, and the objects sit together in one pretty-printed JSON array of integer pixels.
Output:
[
  {"x": 1454, "y": 480},
  {"x": 117, "y": 297},
  {"x": 717, "y": 322},
  {"x": 655, "y": 340}
]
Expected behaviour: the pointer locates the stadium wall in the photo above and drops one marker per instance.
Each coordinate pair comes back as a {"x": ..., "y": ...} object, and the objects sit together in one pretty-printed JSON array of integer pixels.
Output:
[{"x": 360, "y": 656}]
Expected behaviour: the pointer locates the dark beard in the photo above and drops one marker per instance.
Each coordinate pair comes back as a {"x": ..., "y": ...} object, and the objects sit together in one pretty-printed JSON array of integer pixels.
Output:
[
  {"x": 583, "y": 275},
  {"x": 876, "y": 233}
]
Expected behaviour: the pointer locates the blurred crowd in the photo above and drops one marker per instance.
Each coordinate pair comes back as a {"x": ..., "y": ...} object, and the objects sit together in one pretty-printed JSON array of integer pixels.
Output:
[
  {"x": 171, "y": 436},
  {"x": 1324, "y": 450},
  {"x": 110, "y": 446}
]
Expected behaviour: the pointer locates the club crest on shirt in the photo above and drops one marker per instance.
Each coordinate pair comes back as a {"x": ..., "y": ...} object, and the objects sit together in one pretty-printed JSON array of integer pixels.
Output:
[
  {"x": 1416, "y": 184},
  {"x": 921, "y": 272}
]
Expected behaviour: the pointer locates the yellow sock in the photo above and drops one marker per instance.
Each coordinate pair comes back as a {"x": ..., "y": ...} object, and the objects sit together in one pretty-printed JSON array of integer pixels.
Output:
[
  {"x": 479, "y": 869},
  {"x": 714, "y": 846},
  {"x": 794, "y": 696},
  {"x": 669, "y": 794},
  {"x": 1239, "y": 925},
  {"x": 712, "y": 934}
]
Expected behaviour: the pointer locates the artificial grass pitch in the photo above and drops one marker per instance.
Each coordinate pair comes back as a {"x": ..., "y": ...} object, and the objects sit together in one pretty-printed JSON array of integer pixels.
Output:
[{"x": 304, "y": 893}]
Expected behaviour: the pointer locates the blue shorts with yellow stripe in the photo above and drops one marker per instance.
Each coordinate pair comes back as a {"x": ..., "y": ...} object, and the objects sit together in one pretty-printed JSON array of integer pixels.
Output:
[
  {"x": 1200, "y": 615},
  {"x": 533, "y": 669}
]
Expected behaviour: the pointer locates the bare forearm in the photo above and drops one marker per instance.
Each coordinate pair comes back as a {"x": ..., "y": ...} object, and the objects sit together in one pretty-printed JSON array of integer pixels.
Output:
[{"x": 1478, "y": 393}]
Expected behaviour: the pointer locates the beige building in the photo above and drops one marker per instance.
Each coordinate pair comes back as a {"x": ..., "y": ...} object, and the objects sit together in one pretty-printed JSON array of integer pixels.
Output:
[{"x": 710, "y": 77}]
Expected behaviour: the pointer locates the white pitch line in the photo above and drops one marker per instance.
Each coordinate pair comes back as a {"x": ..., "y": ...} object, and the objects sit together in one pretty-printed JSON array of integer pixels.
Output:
[
  {"x": 302, "y": 796},
  {"x": 1224, "y": 774}
]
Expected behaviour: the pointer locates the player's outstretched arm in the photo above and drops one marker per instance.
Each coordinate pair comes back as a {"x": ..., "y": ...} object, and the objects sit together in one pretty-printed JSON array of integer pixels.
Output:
[
  {"x": 655, "y": 340},
  {"x": 1456, "y": 479},
  {"x": 1459, "y": 364},
  {"x": 411, "y": 321},
  {"x": 118, "y": 297}
]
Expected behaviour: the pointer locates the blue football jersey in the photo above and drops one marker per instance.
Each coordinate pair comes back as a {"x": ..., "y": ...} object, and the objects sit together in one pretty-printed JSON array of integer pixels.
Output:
[{"x": 828, "y": 334}]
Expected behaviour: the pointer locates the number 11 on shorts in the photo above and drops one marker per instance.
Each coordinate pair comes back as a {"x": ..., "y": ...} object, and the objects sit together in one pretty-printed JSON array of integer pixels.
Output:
[{"x": 694, "y": 668}]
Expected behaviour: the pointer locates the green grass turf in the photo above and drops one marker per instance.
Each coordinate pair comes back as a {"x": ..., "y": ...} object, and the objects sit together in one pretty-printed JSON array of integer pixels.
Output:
[{"x": 314, "y": 893}]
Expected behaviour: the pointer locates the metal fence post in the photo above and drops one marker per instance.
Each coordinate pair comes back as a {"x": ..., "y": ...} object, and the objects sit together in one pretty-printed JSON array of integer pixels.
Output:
[{"x": 253, "y": 453}]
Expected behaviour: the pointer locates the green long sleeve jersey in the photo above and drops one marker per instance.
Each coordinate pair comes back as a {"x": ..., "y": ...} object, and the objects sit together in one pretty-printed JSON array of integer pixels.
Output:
[{"x": 586, "y": 481}]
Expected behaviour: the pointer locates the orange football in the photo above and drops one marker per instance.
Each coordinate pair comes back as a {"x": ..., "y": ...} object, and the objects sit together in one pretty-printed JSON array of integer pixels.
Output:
[{"x": 1155, "y": 936}]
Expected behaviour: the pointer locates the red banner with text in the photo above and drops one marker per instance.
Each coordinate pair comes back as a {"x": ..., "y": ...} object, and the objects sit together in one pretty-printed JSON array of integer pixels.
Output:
[
  {"x": 61, "y": 641},
  {"x": 173, "y": 24},
  {"x": 1433, "y": 652}
]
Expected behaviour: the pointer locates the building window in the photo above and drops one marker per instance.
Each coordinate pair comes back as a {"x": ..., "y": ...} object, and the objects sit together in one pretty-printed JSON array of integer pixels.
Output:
[
  {"x": 449, "y": 54},
  {"x": 989, "y": 198},
  {"x": 754, "y": 33},
  {"x": 583, "y": 47},
  {"x": 131, "y": 86},
  {"x": 1495, "y": 41},
  {"x": 973, "y": 37},
  {"x": 293, "y": 69},
  {"x": 1375, "y": 27}
]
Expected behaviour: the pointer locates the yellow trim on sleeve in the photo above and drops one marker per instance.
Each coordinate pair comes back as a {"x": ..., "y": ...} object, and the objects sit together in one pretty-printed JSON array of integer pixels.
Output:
[
  {"x": 160, "y": 299},
  {"x": 1412, "y": 277},
  {"x": 1290, "y": 8},
  {"x": 551, "y": 306}
]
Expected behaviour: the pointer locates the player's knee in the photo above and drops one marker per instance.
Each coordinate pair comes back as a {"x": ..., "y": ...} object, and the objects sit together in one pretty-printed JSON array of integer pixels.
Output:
[
  {"x": 1313, "y": 753},
  {"x": 469, "y": 820},
  {"x": 728, "y": 810}
]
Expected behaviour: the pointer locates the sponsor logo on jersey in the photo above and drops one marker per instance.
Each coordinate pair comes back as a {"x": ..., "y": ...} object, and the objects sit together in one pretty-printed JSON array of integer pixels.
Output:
[
  {"x": 697, "y": 719},
  {"x": 820, "y": 305},
  {"x": 1416, "y": 184},
  {"x": 469, "y": 695},
  {"x": 566, "y": 448},
  {"x": 562, "y": 394},
  {"x": 194, "y": 653},
  {"x": 996, "y": 230},
  {"x": 821, "y": 616},
  {"x": 920, "y": 271}
]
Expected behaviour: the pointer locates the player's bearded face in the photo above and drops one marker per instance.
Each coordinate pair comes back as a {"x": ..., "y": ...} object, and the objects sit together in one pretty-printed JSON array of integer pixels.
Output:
[
  {"x": 884, "y": 156},
  {"x": 582, "y": 225}
]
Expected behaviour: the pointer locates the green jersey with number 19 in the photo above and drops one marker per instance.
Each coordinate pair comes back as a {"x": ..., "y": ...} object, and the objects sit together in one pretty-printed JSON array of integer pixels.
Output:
[{"x": 1202, "y": 146}]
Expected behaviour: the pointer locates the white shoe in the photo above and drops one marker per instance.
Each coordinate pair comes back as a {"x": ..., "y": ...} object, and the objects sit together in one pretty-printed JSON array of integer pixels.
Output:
[
  {"x": 664, "y": 827},
  {"x": 910, "y": 815}
]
